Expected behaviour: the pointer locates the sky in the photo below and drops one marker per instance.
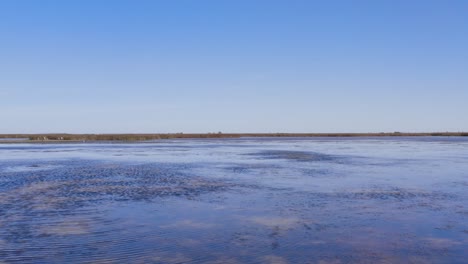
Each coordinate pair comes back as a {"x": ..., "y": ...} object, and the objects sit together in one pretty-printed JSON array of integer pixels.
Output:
[{"x": 97, "y": 66}]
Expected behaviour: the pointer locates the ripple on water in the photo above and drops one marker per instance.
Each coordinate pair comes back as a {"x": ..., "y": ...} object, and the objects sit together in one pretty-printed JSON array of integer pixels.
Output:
[
  {"x": 302, "y": 156},
  {"x": 52, "y": 207}
]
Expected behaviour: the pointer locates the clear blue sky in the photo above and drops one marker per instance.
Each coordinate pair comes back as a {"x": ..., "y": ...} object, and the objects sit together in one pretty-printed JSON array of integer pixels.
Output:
[{"x": 233, "y": 66}]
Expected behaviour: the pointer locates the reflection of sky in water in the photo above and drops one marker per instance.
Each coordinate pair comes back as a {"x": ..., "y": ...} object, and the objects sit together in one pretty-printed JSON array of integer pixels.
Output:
[{"x": 320, "y": 200}]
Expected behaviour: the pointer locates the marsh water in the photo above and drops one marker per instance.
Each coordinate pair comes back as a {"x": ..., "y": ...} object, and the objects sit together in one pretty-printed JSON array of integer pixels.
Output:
[{"x": 247, "y": 200}]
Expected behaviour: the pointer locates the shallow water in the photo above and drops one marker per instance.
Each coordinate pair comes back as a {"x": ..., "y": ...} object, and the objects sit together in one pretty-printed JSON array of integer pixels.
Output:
[{"x": 250, "y": 200}]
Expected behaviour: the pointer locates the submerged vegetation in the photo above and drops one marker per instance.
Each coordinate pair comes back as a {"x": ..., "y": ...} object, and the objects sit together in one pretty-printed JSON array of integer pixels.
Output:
[{"x": 143, "y": 137}]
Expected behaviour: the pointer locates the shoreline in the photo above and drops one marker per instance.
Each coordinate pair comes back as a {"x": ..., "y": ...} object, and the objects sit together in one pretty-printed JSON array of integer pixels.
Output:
[{"x": 86, "y": 138}]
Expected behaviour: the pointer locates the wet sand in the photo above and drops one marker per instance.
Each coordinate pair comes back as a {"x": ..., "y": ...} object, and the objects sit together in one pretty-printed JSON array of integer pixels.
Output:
[{"x": 390, "y": 200}]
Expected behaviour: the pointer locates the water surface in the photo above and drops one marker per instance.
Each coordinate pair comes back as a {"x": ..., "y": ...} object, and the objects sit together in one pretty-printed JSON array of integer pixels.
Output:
[{"x": 249, "y": 200}]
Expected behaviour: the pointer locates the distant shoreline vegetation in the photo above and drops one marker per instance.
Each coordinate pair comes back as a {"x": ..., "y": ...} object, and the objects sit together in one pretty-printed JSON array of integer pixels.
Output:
[{"x": 146, "y": 137}]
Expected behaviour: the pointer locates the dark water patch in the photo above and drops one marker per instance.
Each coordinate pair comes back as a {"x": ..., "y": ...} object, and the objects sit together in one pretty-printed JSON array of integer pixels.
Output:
[
  {"x": 301, "y": 156},
  {"x": 460, "y": 184},
  {"x": 398, "y": 194},
  {"x": 246, "y": 168},
  {"x": 394, "y": 194},
  {"x": 379, "y": 162},
  {"x": 319, "y": 173}
]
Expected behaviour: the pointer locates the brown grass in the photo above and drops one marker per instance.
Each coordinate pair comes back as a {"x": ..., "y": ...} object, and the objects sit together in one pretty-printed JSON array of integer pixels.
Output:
[{"x": 143, "y": 137}]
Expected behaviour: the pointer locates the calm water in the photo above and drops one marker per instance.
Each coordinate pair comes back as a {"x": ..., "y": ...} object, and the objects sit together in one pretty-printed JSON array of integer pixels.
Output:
[{"x": 321, "y": 200}]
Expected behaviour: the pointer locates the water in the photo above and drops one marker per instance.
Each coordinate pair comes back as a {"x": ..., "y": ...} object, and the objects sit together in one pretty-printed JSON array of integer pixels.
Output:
[
  {"x": 13, "y": 139},
  {"x": 251, "y": 200}
]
